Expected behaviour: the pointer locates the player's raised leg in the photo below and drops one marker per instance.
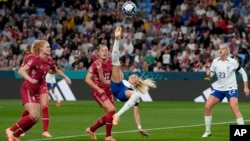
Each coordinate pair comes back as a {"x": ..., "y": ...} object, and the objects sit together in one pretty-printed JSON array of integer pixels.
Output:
[{"x": 116, "y": 70}]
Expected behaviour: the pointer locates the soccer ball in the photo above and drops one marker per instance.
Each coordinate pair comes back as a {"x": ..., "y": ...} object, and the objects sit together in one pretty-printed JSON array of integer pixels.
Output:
[{"x": 128, "y": 8}]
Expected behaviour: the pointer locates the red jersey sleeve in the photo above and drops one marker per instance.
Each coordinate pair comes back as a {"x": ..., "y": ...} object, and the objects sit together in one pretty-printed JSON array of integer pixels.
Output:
[
  {"x": 51, "y": 63},
  {"x": 92, "y": 68},
  {"x": 29, "y": 60}
]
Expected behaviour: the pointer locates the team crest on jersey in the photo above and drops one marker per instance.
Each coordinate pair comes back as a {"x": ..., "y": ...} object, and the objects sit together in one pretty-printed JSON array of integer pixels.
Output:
[
  {"x": 90, "y": 69},
  {"x": 30, "y": 62}
]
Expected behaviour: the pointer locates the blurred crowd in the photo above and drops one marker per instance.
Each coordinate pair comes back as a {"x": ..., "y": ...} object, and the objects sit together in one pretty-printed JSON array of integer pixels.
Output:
[{"x": 163, "y": 35}]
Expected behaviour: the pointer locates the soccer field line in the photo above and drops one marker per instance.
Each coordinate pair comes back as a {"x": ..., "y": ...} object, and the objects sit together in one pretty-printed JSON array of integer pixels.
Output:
[{"x": 130, "y": 131}]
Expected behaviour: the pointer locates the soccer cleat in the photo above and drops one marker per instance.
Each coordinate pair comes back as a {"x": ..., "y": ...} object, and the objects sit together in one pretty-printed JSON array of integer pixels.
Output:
[
  {"x": 91, "y": 134},
  {"x": 110, "y": 138},
  {"x": 9, "y": 134},
  {"x": 115, "y": 120},
  {"x": 58, "y": 104},
  {"x": 22, "y": 135},
  {"x": 46, "y": 134},
  {"x": 206, "y": 134}
]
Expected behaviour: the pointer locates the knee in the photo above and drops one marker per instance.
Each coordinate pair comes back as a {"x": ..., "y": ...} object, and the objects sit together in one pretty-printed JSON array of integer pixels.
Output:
[
  {"x": 111, "y": 112},
  {"x": 44, "y": 101},
  {"x": 110, "y": 108},
  {"x": 35, "y": 117},
  {"x": 208, "y": 107}
]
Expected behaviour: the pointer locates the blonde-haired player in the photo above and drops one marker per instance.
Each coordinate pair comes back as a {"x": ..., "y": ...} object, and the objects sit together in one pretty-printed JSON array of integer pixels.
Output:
[
  {"x": 225, "y": 69},
  {"x": 128, "y": 91}
]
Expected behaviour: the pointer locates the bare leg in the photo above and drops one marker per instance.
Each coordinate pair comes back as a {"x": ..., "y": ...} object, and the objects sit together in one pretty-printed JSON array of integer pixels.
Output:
[
  {"x": 211, "y": 102},
  {"x": 235, "y": 109}
]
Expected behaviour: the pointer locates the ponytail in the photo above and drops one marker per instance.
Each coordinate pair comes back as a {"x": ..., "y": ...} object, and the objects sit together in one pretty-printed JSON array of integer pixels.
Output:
[{"x": 144, "y": 85}]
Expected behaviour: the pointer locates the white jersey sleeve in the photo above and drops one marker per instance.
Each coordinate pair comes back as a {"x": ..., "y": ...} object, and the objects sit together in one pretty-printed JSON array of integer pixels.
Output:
[
  {"x": 128, "y": 85},
  {"x": 226, "y": 73}
]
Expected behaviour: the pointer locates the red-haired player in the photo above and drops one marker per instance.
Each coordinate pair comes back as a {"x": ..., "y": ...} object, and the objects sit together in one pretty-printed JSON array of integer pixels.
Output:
[{"x": 33, "y": 69}]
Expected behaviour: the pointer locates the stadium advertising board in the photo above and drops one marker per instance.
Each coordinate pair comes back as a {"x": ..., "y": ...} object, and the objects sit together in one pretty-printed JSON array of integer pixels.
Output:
[{"x": 167, "y": 90}]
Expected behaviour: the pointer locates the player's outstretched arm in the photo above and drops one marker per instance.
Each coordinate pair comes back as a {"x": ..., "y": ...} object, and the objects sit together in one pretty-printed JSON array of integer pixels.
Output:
[
  {"x": 245, "y": 80},
  {"x": 138, "y": 122},
  {"x": 61, "y": 74}
]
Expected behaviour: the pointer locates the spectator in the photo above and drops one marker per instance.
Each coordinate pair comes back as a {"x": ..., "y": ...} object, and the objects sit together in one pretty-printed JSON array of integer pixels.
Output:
[
  {"x": 59, "y": 51},
  {"x": 175, "y": 65},
  {"x": 233, "y": 46},
  {"x": 158, "y": 67},
  {"x": 150, "y": 60},
  {"x": 89, "y": 23},
  {"x": 128, "y": 45},
  {"x": 126, "y": 58}
]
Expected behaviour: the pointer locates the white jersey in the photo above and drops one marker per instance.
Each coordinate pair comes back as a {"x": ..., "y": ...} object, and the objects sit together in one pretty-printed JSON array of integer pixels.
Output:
[
  {"x": 128, "y": 85},
  {"x": 225, "y": 72},
  {"x": 50, "y": 78}
]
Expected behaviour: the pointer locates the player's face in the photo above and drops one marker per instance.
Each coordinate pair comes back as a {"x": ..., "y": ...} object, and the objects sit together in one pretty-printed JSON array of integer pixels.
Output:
[
  {"x": 103, "y": 52},
  {"x": 46, "y": 49},
  {"x": 223, "y": 50},
  {"x": 134, "y": 79}
]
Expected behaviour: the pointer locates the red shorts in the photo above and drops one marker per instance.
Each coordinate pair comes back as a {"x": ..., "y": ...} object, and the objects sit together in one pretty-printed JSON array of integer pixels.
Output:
[
  {"x": 31, "y": 94},
  {"x": 101, "y": 98}
]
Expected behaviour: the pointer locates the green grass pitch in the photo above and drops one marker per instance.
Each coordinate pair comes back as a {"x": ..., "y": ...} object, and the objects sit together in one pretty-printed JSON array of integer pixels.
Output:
[{"x": 164, "y": 121}]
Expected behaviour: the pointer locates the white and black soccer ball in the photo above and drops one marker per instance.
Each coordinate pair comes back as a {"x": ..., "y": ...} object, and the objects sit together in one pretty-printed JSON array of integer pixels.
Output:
[{"x": 128, "y": 8}]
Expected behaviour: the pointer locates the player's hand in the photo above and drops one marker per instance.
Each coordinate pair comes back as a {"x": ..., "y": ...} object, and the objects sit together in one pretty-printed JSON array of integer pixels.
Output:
[
  {"x": 118, "y": 32},
  {"x": 246, "y": 91},
  {"x": 101, "y": 91},
  {"x": 207, "y": 78},
  {"x": 68, "y": 80},
  {"x": 98, "y": 65},
  {"x": 33, "y": 81},
  {"x": 143, "y": 133}
]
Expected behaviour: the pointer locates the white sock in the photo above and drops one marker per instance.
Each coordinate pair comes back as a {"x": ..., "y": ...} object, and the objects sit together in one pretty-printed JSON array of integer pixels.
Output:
[
  {"x": 240, "y": 121},
  {"x": 130, "y": 103},
  {"x": 208, "y": 120},
  {"x": 115, "y": 53}
]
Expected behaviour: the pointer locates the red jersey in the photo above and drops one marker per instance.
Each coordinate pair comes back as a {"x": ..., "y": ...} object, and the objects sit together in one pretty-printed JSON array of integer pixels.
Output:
[
  {"x": 38, "y": 68},
  {"x": 106, "y": 67}
]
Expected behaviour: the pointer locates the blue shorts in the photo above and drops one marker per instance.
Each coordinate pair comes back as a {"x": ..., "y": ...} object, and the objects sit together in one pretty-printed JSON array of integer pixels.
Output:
[
  {"x": 118, "y": 90},
  {"x": 228, "y": 94},
  {"x": 51, "y": 85}
]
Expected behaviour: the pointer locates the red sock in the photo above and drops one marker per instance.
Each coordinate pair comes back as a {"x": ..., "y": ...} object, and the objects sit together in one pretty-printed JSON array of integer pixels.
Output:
[
  {"x": 109, "y": 119},
  {"x": 45, "y": 118},
  {"x": 23, "y": 125},
  {"x": 25, "y": 113},
  {"x": 100, "y": 122}
]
